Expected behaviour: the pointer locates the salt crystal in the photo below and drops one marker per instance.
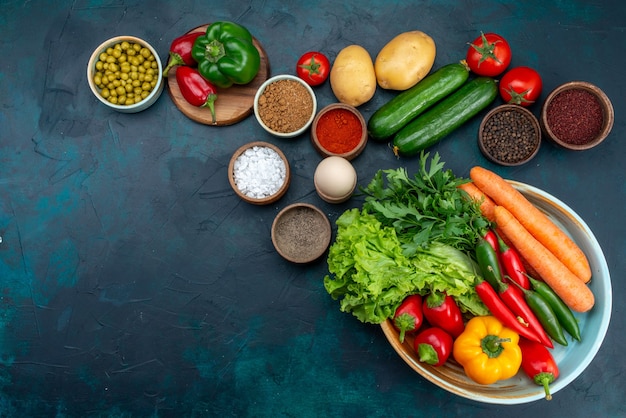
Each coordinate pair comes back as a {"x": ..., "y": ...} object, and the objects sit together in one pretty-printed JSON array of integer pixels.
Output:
[{"x": 259, "y": 172}]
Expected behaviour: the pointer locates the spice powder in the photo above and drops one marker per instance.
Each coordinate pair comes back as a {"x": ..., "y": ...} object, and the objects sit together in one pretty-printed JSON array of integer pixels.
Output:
[
  {"x": 302, "y": 232},
  {"x": 575, "y": 116},
  {"x": 339, "y": 131},
  {"x": 285, "y": 106}
]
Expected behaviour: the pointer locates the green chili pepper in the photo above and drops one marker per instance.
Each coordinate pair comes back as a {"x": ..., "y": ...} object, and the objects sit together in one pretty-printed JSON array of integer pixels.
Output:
[
  {"x": 544, "y": 313},
  {"x": 226, "y": 54},
  {"x": 488, "y": 262},
  {"x": 561, "y": 310}
]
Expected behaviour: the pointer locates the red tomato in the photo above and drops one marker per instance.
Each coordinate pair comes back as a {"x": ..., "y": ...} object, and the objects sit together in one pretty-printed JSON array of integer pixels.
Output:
[
  {"x": 433, "y": 346},
  {"x": 489, "y": 55},
  {"x": 441, "y": 310},
  {"x": 313, "y": 67},
  {"x": 520, "y": 85},
  {"x": 408, "y": 317}
]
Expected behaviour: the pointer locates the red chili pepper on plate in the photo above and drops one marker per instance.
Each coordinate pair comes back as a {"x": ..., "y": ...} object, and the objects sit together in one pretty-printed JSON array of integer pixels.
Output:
[
  {"x": 408, "y": 316},
  {"x": 499, "y": 309},
  {"x": 538, "y": 364},
  {"x": 489, "y": 266},
  {"x": 492, "y": 238},
  {"x": 196, "y": 89},
  {"x": 512, "y": 264},
  {"x": 180, "y": 51},
  {"x": 441, "y": 310},
  {"x": 545, "y": 314},
  {"x": 514, "y": 299},
  {"x": 433, "y": 346}
]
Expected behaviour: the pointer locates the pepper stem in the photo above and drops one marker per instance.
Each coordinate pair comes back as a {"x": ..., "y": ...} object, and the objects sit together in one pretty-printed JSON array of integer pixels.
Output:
[
  {"x": 492, "y": 345},
  {"x": 544, "y": 379},
  {"x": 210, "y": 103},
  {"x": 214, "y": 50},
  {"x": 427, "y": 354},
  {"x": 175, "y": 59}
]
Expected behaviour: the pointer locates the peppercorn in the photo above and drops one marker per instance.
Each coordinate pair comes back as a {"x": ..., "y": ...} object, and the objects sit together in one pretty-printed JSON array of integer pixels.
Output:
[{"x": 509, "y": 136}]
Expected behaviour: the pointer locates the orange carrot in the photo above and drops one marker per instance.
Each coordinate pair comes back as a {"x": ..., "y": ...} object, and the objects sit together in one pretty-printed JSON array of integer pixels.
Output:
[
  {"x": 486, "y": 204},
  {"x": 486, "y": 208},
  {"x": 535, "y": 221},
  {"x": 570, "y": 288}
]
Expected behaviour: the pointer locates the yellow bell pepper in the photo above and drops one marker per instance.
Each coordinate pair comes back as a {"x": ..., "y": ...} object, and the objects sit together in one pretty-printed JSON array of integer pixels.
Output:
[{"x": 487, "y": 350}]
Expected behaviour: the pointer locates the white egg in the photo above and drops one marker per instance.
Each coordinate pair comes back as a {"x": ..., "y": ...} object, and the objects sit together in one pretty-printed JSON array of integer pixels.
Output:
[{"x": 335, "y": 178}]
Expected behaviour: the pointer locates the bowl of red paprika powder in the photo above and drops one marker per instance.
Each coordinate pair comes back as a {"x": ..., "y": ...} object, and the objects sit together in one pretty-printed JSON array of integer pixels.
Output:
[
  {"x": 339, "y": 130},
  {"x": 577, "y": 116}
]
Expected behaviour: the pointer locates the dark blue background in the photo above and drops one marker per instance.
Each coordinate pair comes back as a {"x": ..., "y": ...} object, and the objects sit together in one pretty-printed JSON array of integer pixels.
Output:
[{"x": 134, "y": 281}]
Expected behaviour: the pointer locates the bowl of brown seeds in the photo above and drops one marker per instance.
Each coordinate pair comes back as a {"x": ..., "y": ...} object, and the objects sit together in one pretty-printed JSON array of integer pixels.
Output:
[{"x": 509, "y": 135}]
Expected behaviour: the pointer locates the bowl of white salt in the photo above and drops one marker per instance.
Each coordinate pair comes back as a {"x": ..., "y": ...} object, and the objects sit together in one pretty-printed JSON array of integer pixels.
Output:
[{"x": 259, "y": 173}]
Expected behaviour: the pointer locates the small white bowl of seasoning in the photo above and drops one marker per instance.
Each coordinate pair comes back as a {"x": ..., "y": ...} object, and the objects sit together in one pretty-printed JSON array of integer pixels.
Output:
[
  {"x": 259, "y": 173},
  {"x": 285, "y": 106},
  {"x": 335, "y": 179}
]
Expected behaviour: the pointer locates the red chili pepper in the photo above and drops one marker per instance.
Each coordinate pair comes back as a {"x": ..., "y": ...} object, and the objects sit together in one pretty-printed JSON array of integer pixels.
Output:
[
  {"x": 408, "y": 316},
  {"x": 497, "y": 307},
  {"x": 196, "y": 89},
  {"x": 514, "y": 299},
  {"x": 441, "y": 310},
  {"x": 512, "y": 264},
  {"x": 492, "y": 238},
  {"x": 180, "y": 51},
  {"x": 538, "y": 364},
  {"x": 433, "y": 346}
]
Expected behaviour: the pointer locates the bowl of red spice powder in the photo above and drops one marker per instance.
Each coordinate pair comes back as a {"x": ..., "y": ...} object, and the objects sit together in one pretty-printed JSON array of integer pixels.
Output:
[
  {"x": 577, "y": 115},
  {"x": 339, "y": 130}
]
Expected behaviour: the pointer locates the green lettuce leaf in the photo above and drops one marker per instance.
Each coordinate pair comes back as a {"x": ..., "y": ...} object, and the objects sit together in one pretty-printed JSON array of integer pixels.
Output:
[{"x": 371, "y": 275}]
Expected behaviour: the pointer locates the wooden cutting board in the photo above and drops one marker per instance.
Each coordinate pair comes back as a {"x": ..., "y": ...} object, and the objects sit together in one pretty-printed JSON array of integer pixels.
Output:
[{"x": 232, "y": 105}]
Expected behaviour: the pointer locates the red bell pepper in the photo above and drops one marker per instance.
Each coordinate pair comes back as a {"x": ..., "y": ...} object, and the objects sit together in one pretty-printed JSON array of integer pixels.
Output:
[
  {"x": 433, "y": 346},
  {"x": 512, "y": 264},
  {"x": 180, "y": 51},
  {"x": 441, "y": 310},
  {"x": 196, "y": 89},
  {"x": 538, "y": 364},
  {"x": 408, "y": 316}
]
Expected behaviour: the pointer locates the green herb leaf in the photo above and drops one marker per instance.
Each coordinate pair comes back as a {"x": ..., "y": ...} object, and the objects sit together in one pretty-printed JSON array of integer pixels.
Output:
[{"x": 428, "y": 207}]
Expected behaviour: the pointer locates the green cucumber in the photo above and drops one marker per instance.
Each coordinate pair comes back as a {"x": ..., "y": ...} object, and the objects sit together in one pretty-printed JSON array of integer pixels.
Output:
[
  {"x": 403, "y": 108},
  {"x": 446, "y": 116}
]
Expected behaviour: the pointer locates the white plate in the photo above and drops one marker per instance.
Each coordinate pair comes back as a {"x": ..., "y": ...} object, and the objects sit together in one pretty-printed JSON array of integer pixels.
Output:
[{"x": 572, "y": 360}]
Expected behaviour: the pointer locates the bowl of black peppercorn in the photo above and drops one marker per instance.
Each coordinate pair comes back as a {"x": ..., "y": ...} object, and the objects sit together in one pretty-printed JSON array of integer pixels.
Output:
[{"x": 509, "y": 135}]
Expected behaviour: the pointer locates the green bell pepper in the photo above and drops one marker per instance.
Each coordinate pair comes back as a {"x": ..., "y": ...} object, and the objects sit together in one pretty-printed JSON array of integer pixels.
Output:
[{"x": 226, "y": 55}]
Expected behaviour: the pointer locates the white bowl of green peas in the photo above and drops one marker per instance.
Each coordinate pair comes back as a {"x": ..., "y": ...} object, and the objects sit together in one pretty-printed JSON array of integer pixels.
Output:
[{"x": 125, "y": 73}]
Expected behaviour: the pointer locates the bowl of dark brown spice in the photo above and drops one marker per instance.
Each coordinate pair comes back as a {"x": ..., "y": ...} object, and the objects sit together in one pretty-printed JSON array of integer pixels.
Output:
[
  {"x": 577, "y": 116},
  {"x": 285, "y": 106},
  {"x": 301, "y": 233},
  {"x": 509, "y": 135}
]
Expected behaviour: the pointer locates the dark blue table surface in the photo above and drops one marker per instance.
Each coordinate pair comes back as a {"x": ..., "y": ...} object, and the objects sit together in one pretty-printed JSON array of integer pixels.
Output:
[{"x": 134, "y": 281}]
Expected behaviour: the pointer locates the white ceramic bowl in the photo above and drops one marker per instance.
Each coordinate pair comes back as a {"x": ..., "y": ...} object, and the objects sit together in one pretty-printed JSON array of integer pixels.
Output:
[
  {"x": 572, "y": 360},
  {"x": 137, "y": 107},
  {"x": 259, "y": 93}
]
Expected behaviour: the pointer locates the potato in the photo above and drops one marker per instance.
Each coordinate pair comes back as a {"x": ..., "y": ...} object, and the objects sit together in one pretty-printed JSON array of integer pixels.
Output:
[
  {"x": 405, "y": 60},
  {"x": 352, "y": 76}
]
